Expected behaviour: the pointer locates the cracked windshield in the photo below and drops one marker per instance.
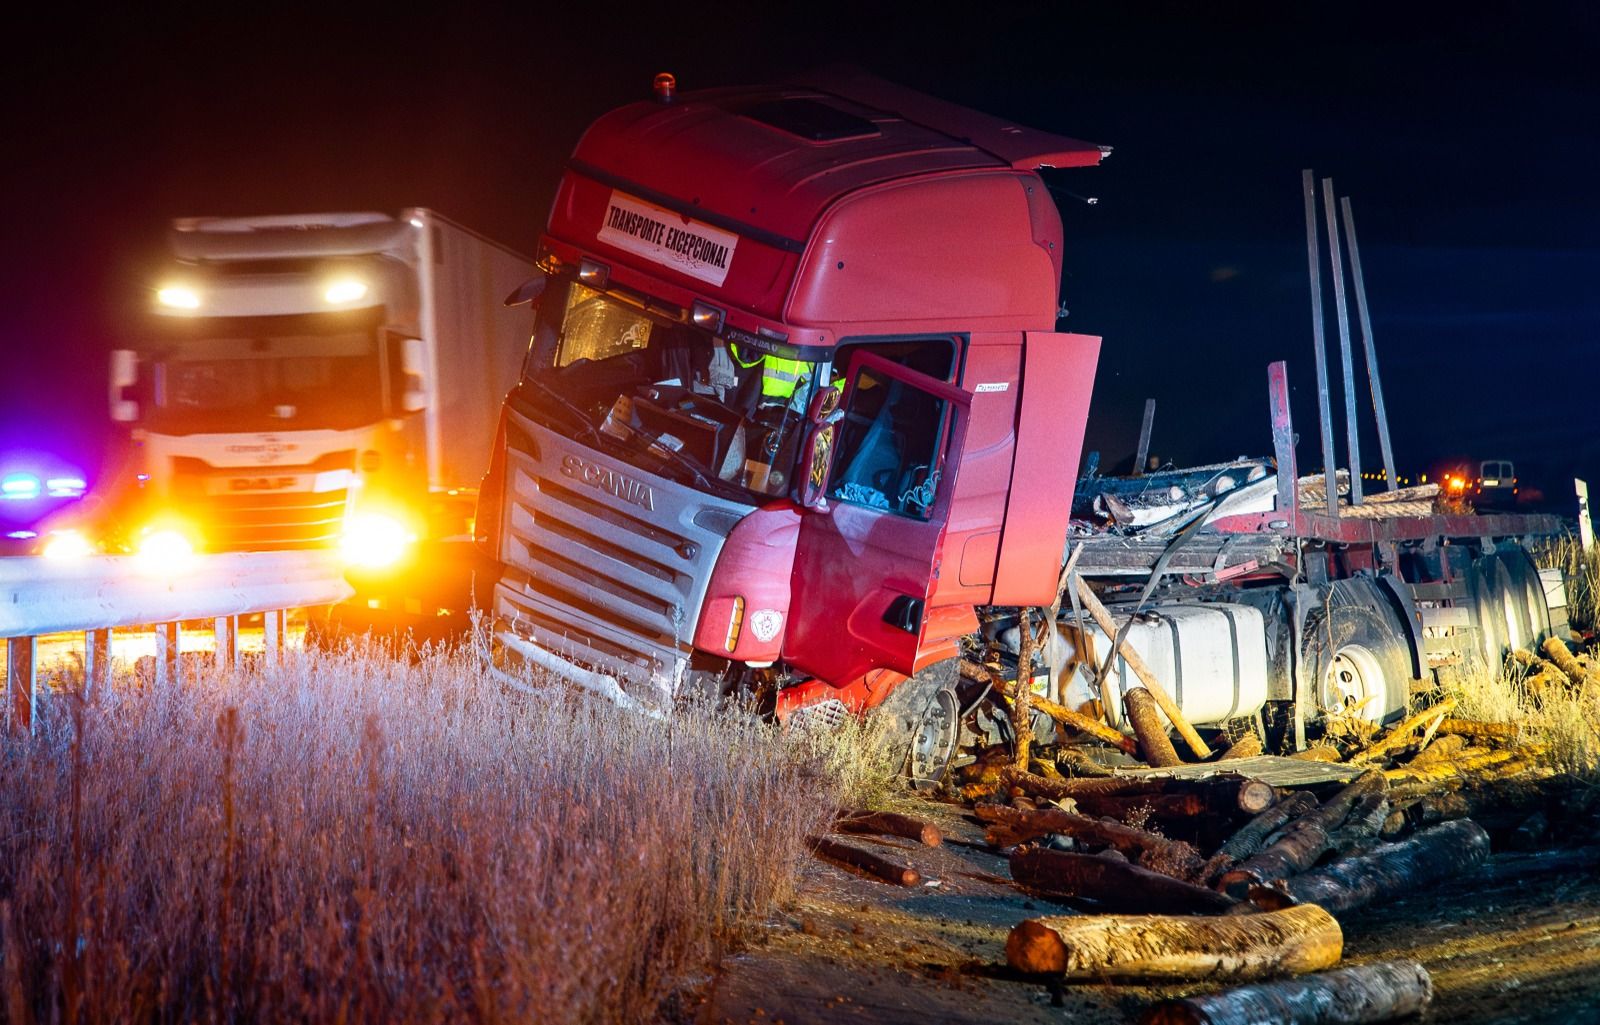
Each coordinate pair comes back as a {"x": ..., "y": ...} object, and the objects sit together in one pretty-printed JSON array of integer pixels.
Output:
[{"x": 668, "y": 397}]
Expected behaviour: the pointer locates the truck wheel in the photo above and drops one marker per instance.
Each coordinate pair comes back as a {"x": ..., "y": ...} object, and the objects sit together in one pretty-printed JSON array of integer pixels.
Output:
[
  {"x": 1528, "y": 591},
  {"x": 1491, "y": 599},
  {"x": 1355, "y": 654},
  {"x": 924, "y": 723}
]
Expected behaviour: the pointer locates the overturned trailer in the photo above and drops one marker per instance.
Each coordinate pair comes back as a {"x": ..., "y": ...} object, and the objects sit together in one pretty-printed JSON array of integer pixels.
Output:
[{"x": 796, "y": 421}]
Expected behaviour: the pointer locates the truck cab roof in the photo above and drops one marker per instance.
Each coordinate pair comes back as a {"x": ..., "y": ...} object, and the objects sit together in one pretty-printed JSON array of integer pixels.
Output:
[{"x": 908, "y": 187}]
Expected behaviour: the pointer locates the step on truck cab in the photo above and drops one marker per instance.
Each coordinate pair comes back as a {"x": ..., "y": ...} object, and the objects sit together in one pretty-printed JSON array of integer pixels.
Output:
[
  {"x": 772, "y": 430},
  {"x": 324, "y": 380}
]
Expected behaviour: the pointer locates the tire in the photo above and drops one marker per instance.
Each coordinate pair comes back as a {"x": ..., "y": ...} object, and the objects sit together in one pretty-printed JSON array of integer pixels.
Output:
[
  {"x": 924, "y": 723},
  {"x": 1487, "y": 605},
  {"x": 1355, "y": 653},
  {"x": 1529, "y": 589}
]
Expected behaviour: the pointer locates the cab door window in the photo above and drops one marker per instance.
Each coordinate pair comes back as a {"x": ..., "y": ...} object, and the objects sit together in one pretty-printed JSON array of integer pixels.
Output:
[{"x": 887, "y": 452}]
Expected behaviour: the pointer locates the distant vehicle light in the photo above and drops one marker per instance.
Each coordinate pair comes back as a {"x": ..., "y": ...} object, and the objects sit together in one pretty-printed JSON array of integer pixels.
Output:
[
  {"x": 416, "y": 222},
  {"x": 165, "y": 551},
  {"x": 65, "y": 487},
  {"x": 67, "y": 544},
  {"x": 19, "y": 487},
  {"x": 179, "y": 298},
  {"x": 375, "y": 540},
  {"x": 347, "y": 290},
  {"x": 22, "y": 535}
]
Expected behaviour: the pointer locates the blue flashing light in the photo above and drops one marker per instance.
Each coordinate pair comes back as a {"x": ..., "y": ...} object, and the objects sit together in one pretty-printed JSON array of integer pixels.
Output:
[
  {"x": 22, "y": 535},
  {"x": 66, "y": 487},
  {"x": 19, "y": 486}
]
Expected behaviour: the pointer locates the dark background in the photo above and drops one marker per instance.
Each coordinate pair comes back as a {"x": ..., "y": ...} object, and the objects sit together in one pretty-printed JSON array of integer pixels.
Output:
[{"x": 1467, "y": 141}]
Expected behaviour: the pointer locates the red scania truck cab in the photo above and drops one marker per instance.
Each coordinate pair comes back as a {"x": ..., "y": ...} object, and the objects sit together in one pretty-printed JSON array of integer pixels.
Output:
[{"x": 771, "y": 431}]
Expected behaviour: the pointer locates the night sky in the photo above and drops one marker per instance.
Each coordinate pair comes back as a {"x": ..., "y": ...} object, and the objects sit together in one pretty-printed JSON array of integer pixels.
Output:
[{"x": 1468, "y": 143}]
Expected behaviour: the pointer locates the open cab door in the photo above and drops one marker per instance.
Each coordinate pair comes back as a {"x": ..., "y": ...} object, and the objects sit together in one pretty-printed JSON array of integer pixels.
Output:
[{"x": 877, "y": 501}]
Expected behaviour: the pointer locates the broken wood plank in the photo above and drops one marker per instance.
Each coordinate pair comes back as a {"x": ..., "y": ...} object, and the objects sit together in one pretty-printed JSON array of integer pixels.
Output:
[
  {"x": 1136, "y": 662},
  {"x": 1358, "y": 995},
  {"x": 888, "y": 823},
  {"x": 873, "y": 864},
  {"x": 1450, "y": 850},
  {"x": 1151, "y": 948},
  {"x": 1065, "y": 716},
  {"x": 1116, "y": 884}
]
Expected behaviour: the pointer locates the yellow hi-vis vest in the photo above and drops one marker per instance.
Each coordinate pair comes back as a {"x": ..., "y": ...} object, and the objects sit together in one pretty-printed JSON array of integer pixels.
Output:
[{"x": 779, "y": 376}]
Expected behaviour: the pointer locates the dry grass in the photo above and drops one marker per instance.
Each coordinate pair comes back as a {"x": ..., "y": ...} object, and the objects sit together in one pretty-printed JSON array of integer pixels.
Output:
[
  {"x": 1565, "y": 720},
  {"x": 351, "y": 838}
]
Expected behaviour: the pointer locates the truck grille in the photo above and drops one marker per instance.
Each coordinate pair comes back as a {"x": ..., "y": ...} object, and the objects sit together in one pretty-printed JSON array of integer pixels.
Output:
[
  {"x": 268, "y": 519},
  {"x": 605, "y": 565},
  {"x": 273, "y": 522}
]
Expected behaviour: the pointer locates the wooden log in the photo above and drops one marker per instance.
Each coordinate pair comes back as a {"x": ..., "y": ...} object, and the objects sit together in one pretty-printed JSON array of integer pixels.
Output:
[
  {"x": 1302, "y": 842},
  {"x": 1503, "y": 731},
  {"x": 1136, "y": 662},
  {"x": 1084, "y": 724},
  {"x": 1224, "y": 792},
  {"x": 888, "y": 823},
  {"x": 1145, "y": 718},
  {"x": 1123, "y": 807},
  {"x": 1253, "y": 835},
  {"x": 1441, "y": 750},
  {"x": 1156, "y": 948},
  {"x": 1403, "y": 732},
  {"x": 1247, "y": 746},
  {"x": 1116, "y": 884},
  {"x": 1440, "y": 852},
  {"x": 1507, "y": 867},
  {"x": 1561, "y": 655},
  {"x": 1358, "y": 995},
  {"x": 1319, "y": 753},
  {"x": 1255, "y": 796},
  {"x": 872, "y": 864},
  {"x": 1365, "y": 821},
  {"x": 1079, "y": 764},
  {"x": 1009, "y": 827},
  {"x": 1022, "y": 694},
  {"x": 1471, "y": 760}
]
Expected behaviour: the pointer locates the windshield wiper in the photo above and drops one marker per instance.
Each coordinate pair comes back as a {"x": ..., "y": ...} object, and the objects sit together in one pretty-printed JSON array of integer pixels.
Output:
[{"x": 566, "y": 404}]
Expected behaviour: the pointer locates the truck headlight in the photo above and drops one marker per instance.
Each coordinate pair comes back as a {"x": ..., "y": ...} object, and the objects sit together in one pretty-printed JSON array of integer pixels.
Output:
[
  {"x": 66, "y": 544},
  {"x": 179, "y": 298},
  {"x": 375, "y": 540},
  {"x": 345, "y": 290},
  {"x": 165, "y": 551}
]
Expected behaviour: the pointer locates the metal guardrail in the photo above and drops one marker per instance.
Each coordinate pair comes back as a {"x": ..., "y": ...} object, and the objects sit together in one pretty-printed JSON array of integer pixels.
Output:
[{"x": 99, "y": 594}]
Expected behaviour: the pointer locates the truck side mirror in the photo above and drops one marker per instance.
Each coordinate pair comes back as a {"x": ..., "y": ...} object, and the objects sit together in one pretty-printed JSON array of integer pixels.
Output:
[
  {"x": 413, "y": 367},
  {"x": 824, "y": 415},
  {"x": 824, "y": 405},
  {"x": 124, "y": 375},
  {"x": 813, "y": 487},
  {"x": 529, "y": 291}
]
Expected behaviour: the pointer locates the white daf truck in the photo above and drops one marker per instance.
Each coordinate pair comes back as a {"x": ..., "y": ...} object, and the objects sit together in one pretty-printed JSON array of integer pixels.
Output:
[{"x": 323, "y": 380}]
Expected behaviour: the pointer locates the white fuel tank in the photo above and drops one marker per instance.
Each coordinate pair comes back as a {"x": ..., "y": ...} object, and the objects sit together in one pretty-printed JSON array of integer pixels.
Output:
[{"x": 1211, "y": 658}]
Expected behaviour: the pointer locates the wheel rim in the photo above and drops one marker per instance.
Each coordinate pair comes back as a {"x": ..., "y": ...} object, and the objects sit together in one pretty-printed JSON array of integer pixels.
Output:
[
  {"x": 1354, "y": 684},
  {"x": 933, "y": 743}
]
